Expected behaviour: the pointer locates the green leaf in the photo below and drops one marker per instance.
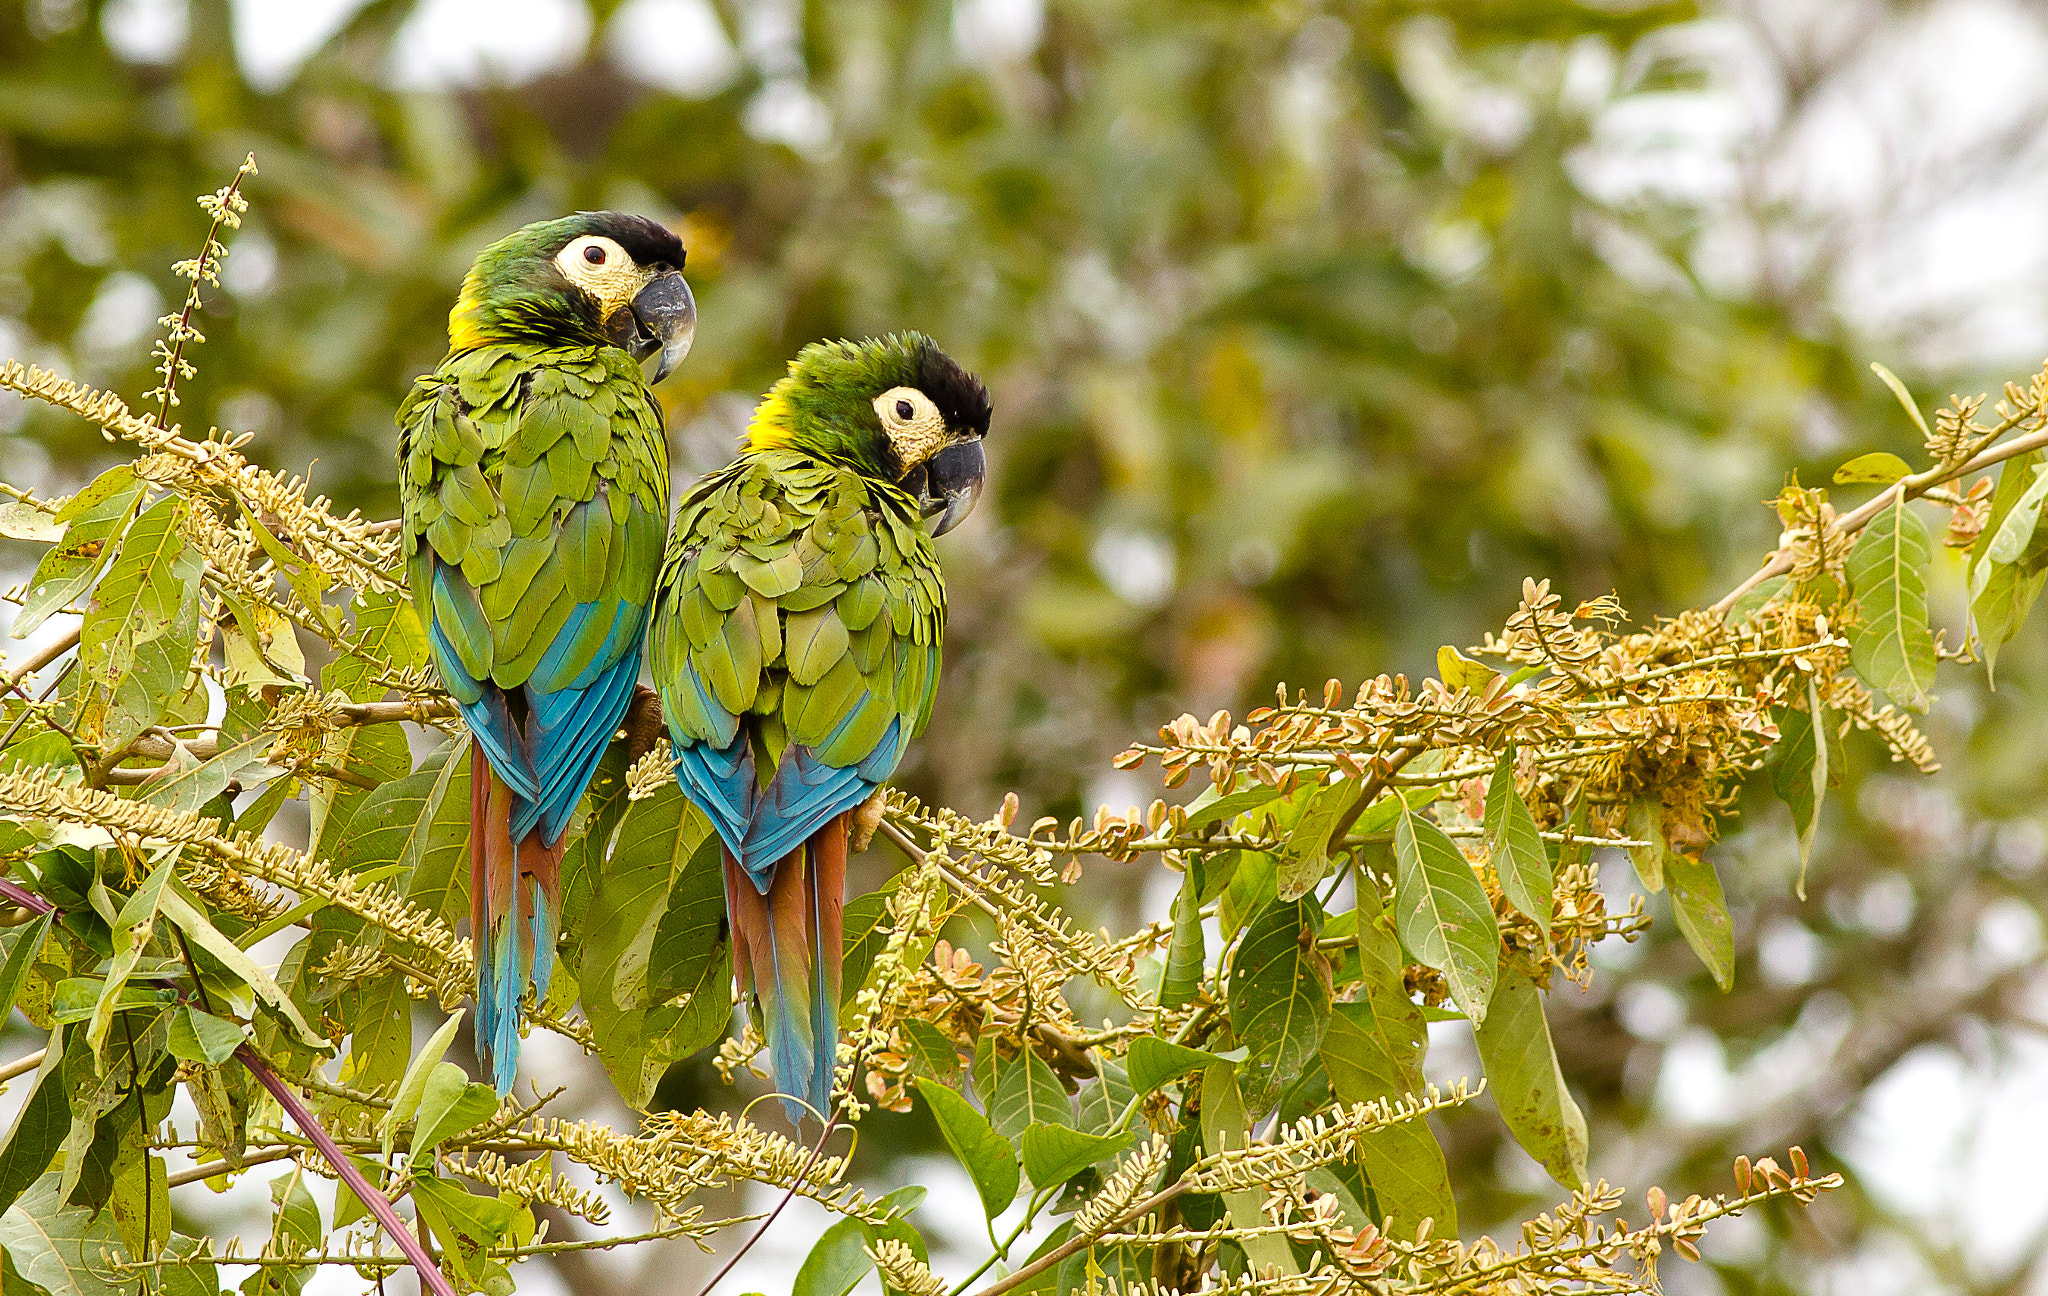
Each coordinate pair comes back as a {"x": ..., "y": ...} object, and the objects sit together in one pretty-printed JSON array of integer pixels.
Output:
[
  {"x": 202, "y": 1037},
  {"x": 1999, "y": 607},
  {"x": 132, "y": 933},
  {"x": 689, "y": 937},
  {"x": 1252, "y": 887},
  {"x": 1226, "y": 1127},
  {"x": 94, "y": 517},
  {"x": 295, "y": 1225},
  {"x": 900, "y": 1203},
  {"x": 1515, "y": 845},
  {"x": 196, "y": 1278},
  {"x": 39, "y": 1128},
  {"x": 1702, "y": 913},
  {"x": 191, "y": 788},
  {"x": 1891, "y": 646},
  {"x": 1054, "y": 1154},
  {"x": 222, "y": 1097},
  {"x": 1646, "y": 824},
  {"x": 1152, "y": 1062},
  {"x": 1369, "y": 1059},
  {"x": 26, "y": 946},
  {"x": 1442, "y": 912},
  {"x": 435, "y": 849},
  {"x": 21, "y": 520},
  {"x": 396, "y": 822},
  {"x": 59, "y": 1248},
  {"x": 406, "y": 1104},
  {"x": 1279, "y": 997},
  {"x": 2009, "y": 538},
  {"x": 1527, "y": 1086},
  {"x": 1305, "y": 859},
  {"x": 930, "y": 1050},
  {"x": 467, "y": 1226},
  {"x": 1027, "y": 1093},
  {"x": 1799, "y": 771},
  {"x": 987, "y": 1155},
  {"x": 2001, "y": 594},
  {"x": 656, "y": 858},
  {"x": 208, "y": 937},
  {"x": 1905, "y": 397},
  {"x": 1460, "y": 673},
  {"x": 449, "y": 1105},
  {"x": 135, "y": 645},
  {"x": 379, "y": 1017},
  {"x": 863, "y": 925},
  {"x": 388, "y": 630},
  {"x": 1214, "y": 806},
  {"x": 838, "y": 1261},
  {"x": 1104, "y": 1098},
  {"x": 1878, "y": 466},
  {"x": 1185, "y": 955}
]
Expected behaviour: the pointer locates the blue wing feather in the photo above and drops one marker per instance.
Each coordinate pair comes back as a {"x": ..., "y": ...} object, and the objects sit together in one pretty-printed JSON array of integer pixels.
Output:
[
  {"x": 567, "y": 736},
  {"x": 720, "y": 781},
  {"x": 796, "y": 803}
]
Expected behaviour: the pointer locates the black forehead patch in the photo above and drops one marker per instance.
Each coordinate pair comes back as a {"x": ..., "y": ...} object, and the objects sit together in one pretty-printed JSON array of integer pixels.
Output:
[
  {"x": 648, "y": 242},
  {"x": 961, "y": 398}
]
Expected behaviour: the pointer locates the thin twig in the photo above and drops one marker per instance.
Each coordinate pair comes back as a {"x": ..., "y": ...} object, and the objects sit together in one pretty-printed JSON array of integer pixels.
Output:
[
  {"x": 1780, "y": 561},
  {"x": 1079, "y": 1242},
  {"x": 212, "y": 1168},
  {"x": 748, "y": 1245},
  {"x": 22, "y": 1066}
]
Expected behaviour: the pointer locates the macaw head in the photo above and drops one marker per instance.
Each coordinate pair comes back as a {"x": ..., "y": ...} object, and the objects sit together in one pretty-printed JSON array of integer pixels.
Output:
[
  {"x": 894, "y": 408},
  {"x": 595, "y": 277}
]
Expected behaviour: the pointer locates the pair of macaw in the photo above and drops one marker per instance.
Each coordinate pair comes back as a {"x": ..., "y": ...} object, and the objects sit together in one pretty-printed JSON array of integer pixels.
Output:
[{"x": 794, "y": 617}]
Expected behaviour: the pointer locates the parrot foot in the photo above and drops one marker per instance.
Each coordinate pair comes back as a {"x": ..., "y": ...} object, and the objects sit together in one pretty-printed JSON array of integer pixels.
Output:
[
  {"x": 867, "y": 817},
  {"x": 643, "y": 722}
]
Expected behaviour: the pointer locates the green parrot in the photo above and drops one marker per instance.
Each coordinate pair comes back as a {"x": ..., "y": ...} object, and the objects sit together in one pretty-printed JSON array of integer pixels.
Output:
[
  {"x": 534, "y": 478},
  {"x": 795, "y": 646}
]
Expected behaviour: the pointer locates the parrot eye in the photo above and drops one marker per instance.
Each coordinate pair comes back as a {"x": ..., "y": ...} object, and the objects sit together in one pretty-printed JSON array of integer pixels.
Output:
[
  {"x": 595, "y": 263},
  {"x": 914, "y": 426}
]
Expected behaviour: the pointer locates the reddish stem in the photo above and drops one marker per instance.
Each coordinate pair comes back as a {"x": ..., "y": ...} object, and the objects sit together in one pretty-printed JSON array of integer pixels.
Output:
[
  {"x": 431, "y": 1276},
  {"x": 26, "y": 898}
]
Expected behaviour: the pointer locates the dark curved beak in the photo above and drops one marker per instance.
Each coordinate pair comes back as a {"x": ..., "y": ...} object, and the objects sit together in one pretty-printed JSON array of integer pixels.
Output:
[
  {"x": 665, "y": 320},
  {"x": 952, "y": 484}
]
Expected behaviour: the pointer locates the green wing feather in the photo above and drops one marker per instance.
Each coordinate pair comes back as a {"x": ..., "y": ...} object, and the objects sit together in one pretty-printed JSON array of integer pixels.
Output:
[
  {"x": 800, "y": 579},
  {"x": 541, "y": 475}
]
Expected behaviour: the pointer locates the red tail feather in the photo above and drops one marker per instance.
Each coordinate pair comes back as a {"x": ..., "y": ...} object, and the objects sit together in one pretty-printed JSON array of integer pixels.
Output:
[{"x": 503, "y": 879}]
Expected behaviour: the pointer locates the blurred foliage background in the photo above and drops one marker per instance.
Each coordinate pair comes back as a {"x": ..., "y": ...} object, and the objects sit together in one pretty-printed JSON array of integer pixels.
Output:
[{"x": 1311, "y": 328}]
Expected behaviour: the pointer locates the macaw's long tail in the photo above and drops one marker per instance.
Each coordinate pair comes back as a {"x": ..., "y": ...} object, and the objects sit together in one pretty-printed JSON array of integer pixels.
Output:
[
  {"x": 786, "y": 948},
  {"x": 515, "y": 901}
]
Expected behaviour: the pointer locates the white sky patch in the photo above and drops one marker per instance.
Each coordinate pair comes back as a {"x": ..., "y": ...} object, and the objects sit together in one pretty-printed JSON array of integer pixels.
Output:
[
  {"x": 673, "y": 45},
  {"x": 273, "y": 40},
  {"x": 1137, "y": 565},
  {"x": 998, "y": 31},
  {"x": 1958, "y": 1144},
  {"x": 472, "y": 42},
  {"x": 123, "y": 312},
  {"x": 146, "y": 31}
]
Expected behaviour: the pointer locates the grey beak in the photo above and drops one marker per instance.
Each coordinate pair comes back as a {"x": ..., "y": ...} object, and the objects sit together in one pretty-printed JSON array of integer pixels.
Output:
[
  {"x": 666, "y": 314},
  {"x": 954, "y": 480}
]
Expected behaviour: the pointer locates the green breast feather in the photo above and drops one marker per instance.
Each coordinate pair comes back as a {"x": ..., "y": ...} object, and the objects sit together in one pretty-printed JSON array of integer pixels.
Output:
[
  {"x": 540, "y": 477},
  {"x": 803, "y": 595}
]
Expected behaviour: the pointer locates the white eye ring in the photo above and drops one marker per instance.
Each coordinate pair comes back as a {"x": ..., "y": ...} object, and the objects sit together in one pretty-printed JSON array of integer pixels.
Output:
[
  {"x": 902, "y": 408},
  {"x": 915, "y": 427},
  {"x": 592, "y": 257}
]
